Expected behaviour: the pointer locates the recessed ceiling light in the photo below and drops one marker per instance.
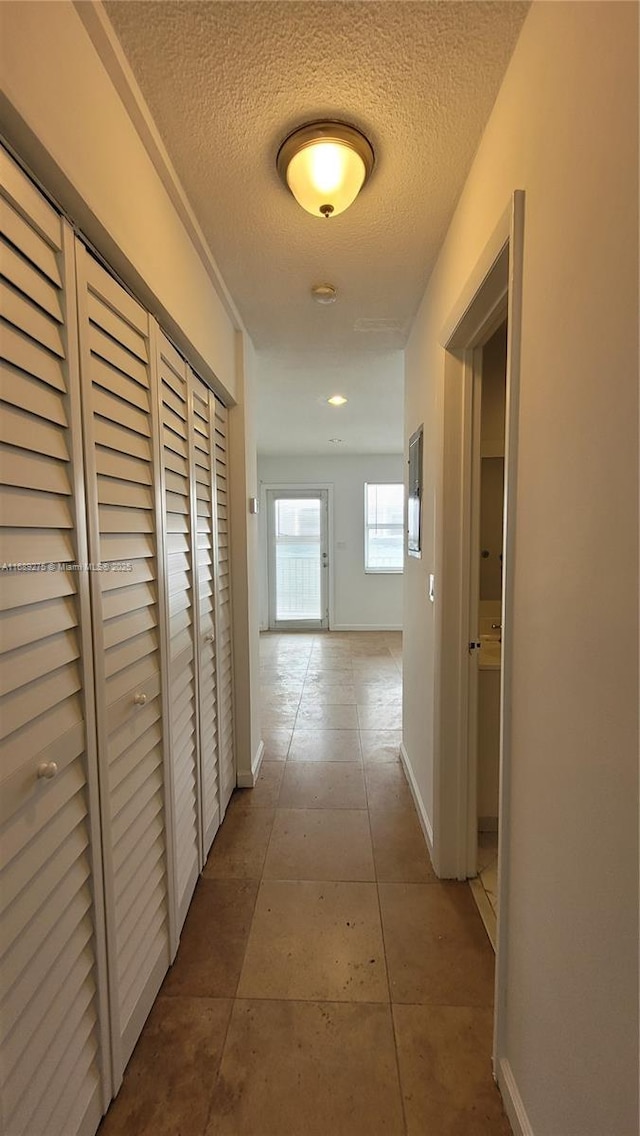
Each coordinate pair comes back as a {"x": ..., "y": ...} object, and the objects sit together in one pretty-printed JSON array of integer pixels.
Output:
[
  {"x": 336, "y": 400},
  {"x": 335, "y": 441}
]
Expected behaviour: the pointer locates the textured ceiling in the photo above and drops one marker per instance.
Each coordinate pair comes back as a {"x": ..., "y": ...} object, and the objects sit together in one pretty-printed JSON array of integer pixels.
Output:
[{"x": 225, "y": 82}]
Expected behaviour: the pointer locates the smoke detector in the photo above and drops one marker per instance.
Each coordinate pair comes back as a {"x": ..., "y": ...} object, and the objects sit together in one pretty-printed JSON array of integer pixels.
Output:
[{"x": 324, "y": 293}]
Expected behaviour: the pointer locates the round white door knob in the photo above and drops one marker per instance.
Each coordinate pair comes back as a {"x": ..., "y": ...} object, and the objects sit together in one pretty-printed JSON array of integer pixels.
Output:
[
  {"x": 46, "y": 770},
  {"x": 140, "y": 699}
]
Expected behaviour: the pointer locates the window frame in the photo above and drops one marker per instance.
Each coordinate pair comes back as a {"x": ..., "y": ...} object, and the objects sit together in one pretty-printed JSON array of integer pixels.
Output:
[{"x": 368, "y": 525}]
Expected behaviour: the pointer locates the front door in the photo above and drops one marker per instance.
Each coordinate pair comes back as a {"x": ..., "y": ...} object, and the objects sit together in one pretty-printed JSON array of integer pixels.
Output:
[{"x": 298, "y": 559}]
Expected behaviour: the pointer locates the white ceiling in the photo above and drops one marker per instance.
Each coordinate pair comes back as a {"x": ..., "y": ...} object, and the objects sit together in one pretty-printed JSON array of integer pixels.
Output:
[{"x": 226, "y": 81}]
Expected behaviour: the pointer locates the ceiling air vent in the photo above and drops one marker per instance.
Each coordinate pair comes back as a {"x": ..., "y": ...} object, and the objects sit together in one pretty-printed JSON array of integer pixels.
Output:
[{"x": 378, "y": 325}]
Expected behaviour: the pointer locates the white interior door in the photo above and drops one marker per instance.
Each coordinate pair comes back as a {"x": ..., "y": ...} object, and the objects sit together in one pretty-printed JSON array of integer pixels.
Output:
[
  {"x": 54, "y": 1052},
  {"x": 470, "y": 804},
  {"x": 204, "y": 568},
  {"x": 123, "y": 523},
  {"x": 181, "y": 677},
  {"x": 297, "y": 526},
  {"x": 224, "y": 614}
]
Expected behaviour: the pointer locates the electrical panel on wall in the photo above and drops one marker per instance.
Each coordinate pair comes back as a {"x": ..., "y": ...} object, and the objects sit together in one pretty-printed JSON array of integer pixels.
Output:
[{"x": 414, "y": 496}]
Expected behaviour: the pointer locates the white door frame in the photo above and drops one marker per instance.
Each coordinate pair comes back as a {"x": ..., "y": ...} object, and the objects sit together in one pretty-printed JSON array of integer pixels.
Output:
[
  {"x": 471, "y": 545},
  {"x": 493, "y": 290},
  {"x": 300, "y": 488}
]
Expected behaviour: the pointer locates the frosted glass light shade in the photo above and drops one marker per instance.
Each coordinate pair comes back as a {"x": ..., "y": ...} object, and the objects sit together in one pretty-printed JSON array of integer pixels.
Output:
[{"x": 325, "y": 166}]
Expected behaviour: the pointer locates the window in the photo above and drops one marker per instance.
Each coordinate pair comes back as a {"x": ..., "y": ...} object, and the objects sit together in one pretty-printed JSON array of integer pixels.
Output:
[{"x": 383, "y": 528}]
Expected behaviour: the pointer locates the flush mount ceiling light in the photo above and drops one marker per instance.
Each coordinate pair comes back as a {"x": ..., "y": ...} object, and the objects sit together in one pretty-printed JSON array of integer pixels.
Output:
[
  {"x": 325, "y": 165},
  {"x": 336, "y": 400}
]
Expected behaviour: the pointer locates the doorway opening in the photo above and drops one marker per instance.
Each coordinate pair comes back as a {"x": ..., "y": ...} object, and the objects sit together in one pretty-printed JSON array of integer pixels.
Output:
[
  {"x": 485, "y": 619},
  {"x": 492, "y": 295},
  {"x": 298, "y": 559}
]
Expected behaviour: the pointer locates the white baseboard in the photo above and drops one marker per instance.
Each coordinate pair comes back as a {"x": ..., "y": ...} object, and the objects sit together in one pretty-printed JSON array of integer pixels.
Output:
[
  {"x": 366, "y": 627},
  {"x": 425, "y": 822},
  {"x": 512, "y": 1100},
  {"x": 248, "y": 780}
]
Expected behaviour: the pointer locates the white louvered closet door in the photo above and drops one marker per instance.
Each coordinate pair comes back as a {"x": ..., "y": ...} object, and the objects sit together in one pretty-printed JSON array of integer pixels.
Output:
[
  {"x": 202, "y": 401},
  {"x": 223, "y": 609},
  {"x": 181, "y": 677},
  {"x": 123, "y": 509},
  {"x": 53, "y": 977}
]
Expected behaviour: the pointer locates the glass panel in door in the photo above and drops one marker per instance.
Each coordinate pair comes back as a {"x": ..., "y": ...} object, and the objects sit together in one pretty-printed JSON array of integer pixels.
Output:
[{"x": 298, "y": 559}]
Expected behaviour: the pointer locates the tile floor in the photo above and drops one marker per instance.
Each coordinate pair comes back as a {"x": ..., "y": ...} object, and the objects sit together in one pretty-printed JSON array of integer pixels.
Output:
[{"x": 327, "y": 984}]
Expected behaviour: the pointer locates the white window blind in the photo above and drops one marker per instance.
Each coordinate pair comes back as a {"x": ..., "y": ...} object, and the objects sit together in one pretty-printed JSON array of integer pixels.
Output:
[{"x": 383, "y": 528}]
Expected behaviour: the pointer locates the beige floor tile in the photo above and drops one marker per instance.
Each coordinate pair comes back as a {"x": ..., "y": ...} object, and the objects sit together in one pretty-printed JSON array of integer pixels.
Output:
[
  {"x": 283, "y": 686},
  {"x": 380, "y": 717},
  {"x": 213, "y": 940},
  {"x": 385, "y": 678},
  {"x": 288, "y": 646},
  {"x": 338, "y": 655},
  {"x": 371, "y": 693},
  {"x": 240, "y": 846},
  {"x": 445, "y": 1070},
  {"x": 163, "y": 1096},
  {"x": 276, "y": 744},
  {"x": 377, "y": 667},
  {"x": 322, "y": 785},
  {"x": 325, "y": 745},
  {"x": 316, "y": 1069},
  {"x": 326, "y": 717},
  {"x": 387, "y": 786},
  {"x": 276, "y": 719},
  {"x": 380, "y": 745},
  {"x": 399, "y": 849},
  {"x": 315, "y": 941},
  {"x": 271, "y": 702},
  {"x": 280, "y": 673},
  {"x": 437, "y": 950},
  {"x": 265, "y": 792},
  {"x": 320, "y": 844},
  {"x": 328, "y": 675},
  {"x": 313, "y": 697},
  {"x": 370, "y": 653},
  {"x": 377, "y": 697}
]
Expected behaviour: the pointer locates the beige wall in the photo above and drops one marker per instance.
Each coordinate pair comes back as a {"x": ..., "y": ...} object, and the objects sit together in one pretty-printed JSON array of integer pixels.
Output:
[
  {"x": 564, "y": 129},
  {"x": 62, "y": 113}
]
